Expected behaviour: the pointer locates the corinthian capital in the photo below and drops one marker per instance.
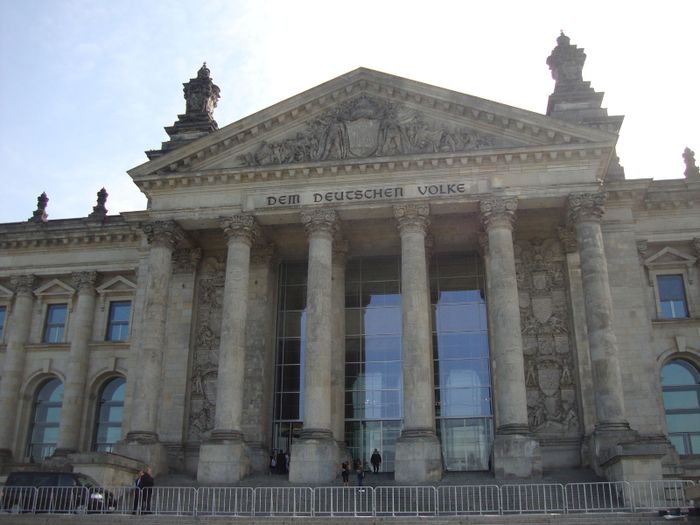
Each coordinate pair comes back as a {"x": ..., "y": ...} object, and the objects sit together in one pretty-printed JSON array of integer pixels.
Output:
[
  {"x": 84, "y": 281},
  {"x": 22, "y": 284},
  {"x": 241, "y": 227},
  {"x": 498, "y": 211},
  {"x": 412, "y": 217},
  {"x": 163, "y": 233},
  {"x": 586, "y": 206},
  {"x": 320, "y": 220}
]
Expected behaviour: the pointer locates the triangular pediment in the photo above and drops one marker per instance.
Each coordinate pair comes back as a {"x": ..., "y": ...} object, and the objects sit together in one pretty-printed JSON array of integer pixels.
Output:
[
  {"x": 669, "y": 257},
  {"x": 368, "y": 115},
  {"x": 54, "y": 287},
  {"x": 116, "y": 285}
]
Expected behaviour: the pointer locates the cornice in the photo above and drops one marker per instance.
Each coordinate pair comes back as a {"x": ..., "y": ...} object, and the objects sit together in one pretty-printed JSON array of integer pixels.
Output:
[
  {"x": 388, "y": 165},
  {"x": 42, "y": 237}
]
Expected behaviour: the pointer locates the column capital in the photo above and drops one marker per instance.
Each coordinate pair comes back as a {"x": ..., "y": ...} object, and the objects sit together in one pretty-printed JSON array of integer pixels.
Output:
[
  {"x": 22, "y": 284},
  {"x": 242, "y": 227},
  {"x": 498, "y": 211},
  {"x": 586, "y": 206},
  {"x": 320, "y": 220},
  {"x": 412, "y": 217},
  {"x": 163, "y": 233},
  {"x": 84, "y": 281}
]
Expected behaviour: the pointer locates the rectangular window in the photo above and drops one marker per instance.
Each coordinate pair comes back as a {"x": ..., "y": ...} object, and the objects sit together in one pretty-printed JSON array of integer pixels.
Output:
[
  {"x": 118, "y": 322},
  {"x": 672, "y": 296},
  {"x": 55, "y": 323},
  {"x": 3, "y": 309}
]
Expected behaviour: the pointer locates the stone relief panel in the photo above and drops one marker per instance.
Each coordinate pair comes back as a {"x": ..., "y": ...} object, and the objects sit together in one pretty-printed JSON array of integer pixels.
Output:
[
  {"x": 209, "y": 302},
  {"x": 550, "y": 377},
  {"x": 367, "y": 127}
]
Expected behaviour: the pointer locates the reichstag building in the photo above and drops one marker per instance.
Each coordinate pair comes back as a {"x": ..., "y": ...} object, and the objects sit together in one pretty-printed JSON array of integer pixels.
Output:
[{"x": 373, "y": 263}]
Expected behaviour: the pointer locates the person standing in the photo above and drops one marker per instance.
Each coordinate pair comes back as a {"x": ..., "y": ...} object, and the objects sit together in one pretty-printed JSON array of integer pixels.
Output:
[
  {"x": 360, "y": 472},
  {"x": 376, "y": 460},
  {"x": 345, "y": 472},
  {"x": 144, "y": 491}
]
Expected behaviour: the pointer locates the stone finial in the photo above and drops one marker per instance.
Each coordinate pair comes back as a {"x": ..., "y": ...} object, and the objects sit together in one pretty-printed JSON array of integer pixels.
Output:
[
  {"x": 566, "y": 63},
  {"x": 40, "y": 214},
  {"x": 99, "y": 211},
  {"x": 691, "y": 168}
]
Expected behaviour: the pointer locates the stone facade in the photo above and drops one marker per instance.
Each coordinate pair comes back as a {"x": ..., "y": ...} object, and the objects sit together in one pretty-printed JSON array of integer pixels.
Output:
[{"x": 365, "y": 165}]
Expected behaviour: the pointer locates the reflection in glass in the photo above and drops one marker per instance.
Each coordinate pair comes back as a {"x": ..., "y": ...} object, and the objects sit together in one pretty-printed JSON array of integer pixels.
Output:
[
  {"x": 110, "y": 412},
  {"x": 43, "y": 435}
]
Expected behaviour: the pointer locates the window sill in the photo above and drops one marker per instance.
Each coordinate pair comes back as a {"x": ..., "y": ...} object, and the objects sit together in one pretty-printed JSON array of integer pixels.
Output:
[{"x": 686, "y": 320}]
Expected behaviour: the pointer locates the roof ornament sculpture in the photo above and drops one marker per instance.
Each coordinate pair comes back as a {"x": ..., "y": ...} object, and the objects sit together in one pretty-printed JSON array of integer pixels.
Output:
[
  {"x": 691, "y": 168},
  {"x": 566, "y": 63},
  {"x": 40, "y": 214},
  {"x": 201, "y": 97},
  {"x": 99, "y": 211}
]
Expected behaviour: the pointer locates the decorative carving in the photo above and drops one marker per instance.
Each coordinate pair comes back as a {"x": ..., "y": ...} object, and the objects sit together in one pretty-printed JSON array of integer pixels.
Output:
[
  {"x": 412, "y": 217},
  {"x": 185, "y": 260},
  {"x": 22, "y": 284},
  {"x": 642, "y": 250},
  {"x": 498, "y": 211},
  {"x": 163, "y": 233},
  {"x": 691, "y": 168},
  {"x": 84, "y": 281},
  {"x": 241, "y": 227},
  {"x": 586, "y": 206},
  {"x": 566, "y": 63},
  {"x": 319, "y": 220},
  {"x": 549, "y": 370},
  {"x": 365, "y": 127},
  {"x": 100, "y": 212},
  {"x": 206, "y": 348},
  {"x": 40, "y": 214},
  {"x": 201, "y": 94},
  {"x": 567, "y": 237}
]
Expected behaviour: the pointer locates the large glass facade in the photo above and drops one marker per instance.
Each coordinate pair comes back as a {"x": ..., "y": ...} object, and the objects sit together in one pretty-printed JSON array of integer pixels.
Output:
[
  {"x": 461, "y": 366},
  {"x": 373, "y": 379},
  {"x": 373, "y": 365}
]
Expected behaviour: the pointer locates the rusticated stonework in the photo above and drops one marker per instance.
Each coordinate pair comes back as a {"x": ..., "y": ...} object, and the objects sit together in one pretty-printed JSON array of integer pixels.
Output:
[
  {"x": 210, "y": 292},
  {"x": 549, "y": 363},
  {"x": 366, "y": 127}
]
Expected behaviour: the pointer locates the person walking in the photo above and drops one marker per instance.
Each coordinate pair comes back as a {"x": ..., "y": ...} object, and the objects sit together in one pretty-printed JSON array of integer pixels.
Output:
[
  {"x": 376, "y": 461},
  {"x": 360, "y": 472}
]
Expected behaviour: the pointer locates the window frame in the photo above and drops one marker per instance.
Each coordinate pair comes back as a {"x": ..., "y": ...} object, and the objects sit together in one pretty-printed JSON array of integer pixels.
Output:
[
  {"x": 670, "y": 261},
  {"x": 116, "y": 289},
  {"x": 43, "y": 424},
  {"x": 695, "y": 372},
  {"x": 45, "y": 327},
  {"x": 659, "y": 298},
  {"x": 108, "y": 319},
  {"x": 98, "y": 409}
]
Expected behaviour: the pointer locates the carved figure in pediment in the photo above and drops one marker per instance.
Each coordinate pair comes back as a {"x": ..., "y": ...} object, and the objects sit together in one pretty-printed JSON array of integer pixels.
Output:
[{"x": 335, "y": 144}]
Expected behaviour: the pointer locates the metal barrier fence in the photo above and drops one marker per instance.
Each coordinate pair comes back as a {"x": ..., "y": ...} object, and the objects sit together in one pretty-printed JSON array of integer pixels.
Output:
[{"x": 621, "y": 496}]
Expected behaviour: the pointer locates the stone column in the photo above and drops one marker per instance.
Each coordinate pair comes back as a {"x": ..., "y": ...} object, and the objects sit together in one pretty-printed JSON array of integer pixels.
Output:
[
  {"x": 142, "y": 440},
  {"x": 74, "y": 390},
  {"x": 585, "y": 212},
  {"x": 418, "y": 452},
  {"x": 13, "y": 365},
  {"x": 340, "y": 250},
  {"x": 224, "y": 458},
  {"x": 516, "y": 453},
  {"x": 315, "y": 455}
]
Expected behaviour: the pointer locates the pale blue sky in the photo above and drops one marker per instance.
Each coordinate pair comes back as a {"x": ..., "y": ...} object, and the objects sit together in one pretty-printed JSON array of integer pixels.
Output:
[{"x": 87, "y": 86}]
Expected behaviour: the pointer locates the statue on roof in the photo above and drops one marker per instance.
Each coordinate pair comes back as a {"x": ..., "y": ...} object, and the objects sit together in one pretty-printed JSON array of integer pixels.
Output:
[
  {"x": 691, "y": 168},
  {"x": 566, "y": 63},
  {"x": 40, "y": 214},
  {"x": 201, "y": 94}
]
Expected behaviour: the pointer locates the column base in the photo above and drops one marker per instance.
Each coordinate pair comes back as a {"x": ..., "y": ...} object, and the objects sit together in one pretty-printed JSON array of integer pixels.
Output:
[
  {"x": 314, "y": 457},
  {"x": 259, "y": 458},
  {"x": 151, "y": 453},
  {"x": 516, "y": 456},
  {"x": 621, "y": 454},
  {"x": 418, "y": 457},
  {"x": 223, "y": 461}
]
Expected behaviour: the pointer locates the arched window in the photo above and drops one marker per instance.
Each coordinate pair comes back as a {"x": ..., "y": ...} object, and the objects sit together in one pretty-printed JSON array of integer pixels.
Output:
[
  {"x": 43, "y": 435},
  {"x": 110, "y": 412},
  {"x": 681, "y": 386}
]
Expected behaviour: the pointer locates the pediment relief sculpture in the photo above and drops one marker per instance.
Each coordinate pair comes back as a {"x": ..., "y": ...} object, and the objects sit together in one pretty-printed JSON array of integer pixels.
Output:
[{"x": 368, "y": 127}]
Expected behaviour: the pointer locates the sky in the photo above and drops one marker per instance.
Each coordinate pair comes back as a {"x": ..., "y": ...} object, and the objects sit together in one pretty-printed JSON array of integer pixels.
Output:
[{"x": 87, "y": 86}]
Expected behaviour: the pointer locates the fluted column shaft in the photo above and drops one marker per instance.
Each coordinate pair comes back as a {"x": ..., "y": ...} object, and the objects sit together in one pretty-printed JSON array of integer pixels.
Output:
[
  {"x": 338, "y": 346},
  {"x": 241, "y": 232},
  {"x": 504, "y": 316},
  {"x": 585, "y": 212},
  {"x": 74, "y": 390},
  {"x": 419, "y": 397},
  {"x": 163, "y": 236},
  {"x": 320, "y": 228},
  {"x": 13, "y": 365}
]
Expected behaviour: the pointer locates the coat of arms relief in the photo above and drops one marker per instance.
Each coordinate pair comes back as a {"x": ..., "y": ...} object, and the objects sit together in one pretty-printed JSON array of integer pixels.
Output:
[
  {"x": 550, "y": 376},
  {"x": 367, "y": 127},
  {"x": 205, "y": 359}
]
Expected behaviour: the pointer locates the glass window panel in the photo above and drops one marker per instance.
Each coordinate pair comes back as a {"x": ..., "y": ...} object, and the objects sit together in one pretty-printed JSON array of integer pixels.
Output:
[
  {"x": 681, "y": 400},
  {"x": 353, "y": 349},
  {"x": 683, "y": 422},
  {"x": 293, "y": 324},
  {"x": 679, "y": 443},
  {"x": 694, "y": 444},
  {"x": 55, "y": 323},
  {"x": 292, "y": 351},
  {"x": 672, "y": 296},
  {"x": 294, "y": 297},
  {"x": 383, "y": 348},
  {"x": 2, "y": 321},
  {"x": 678, "y": 373},
  {"x": 352, "y": 295},
  {"x": 114, "y": 414},
  {"x": 382, "y": 321},
  {"x": 463, "y": 317},
  {"x": 290, "y": 406},
  {"x": 291, "y": 378},
  {"x": 353, "y": 321}
]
